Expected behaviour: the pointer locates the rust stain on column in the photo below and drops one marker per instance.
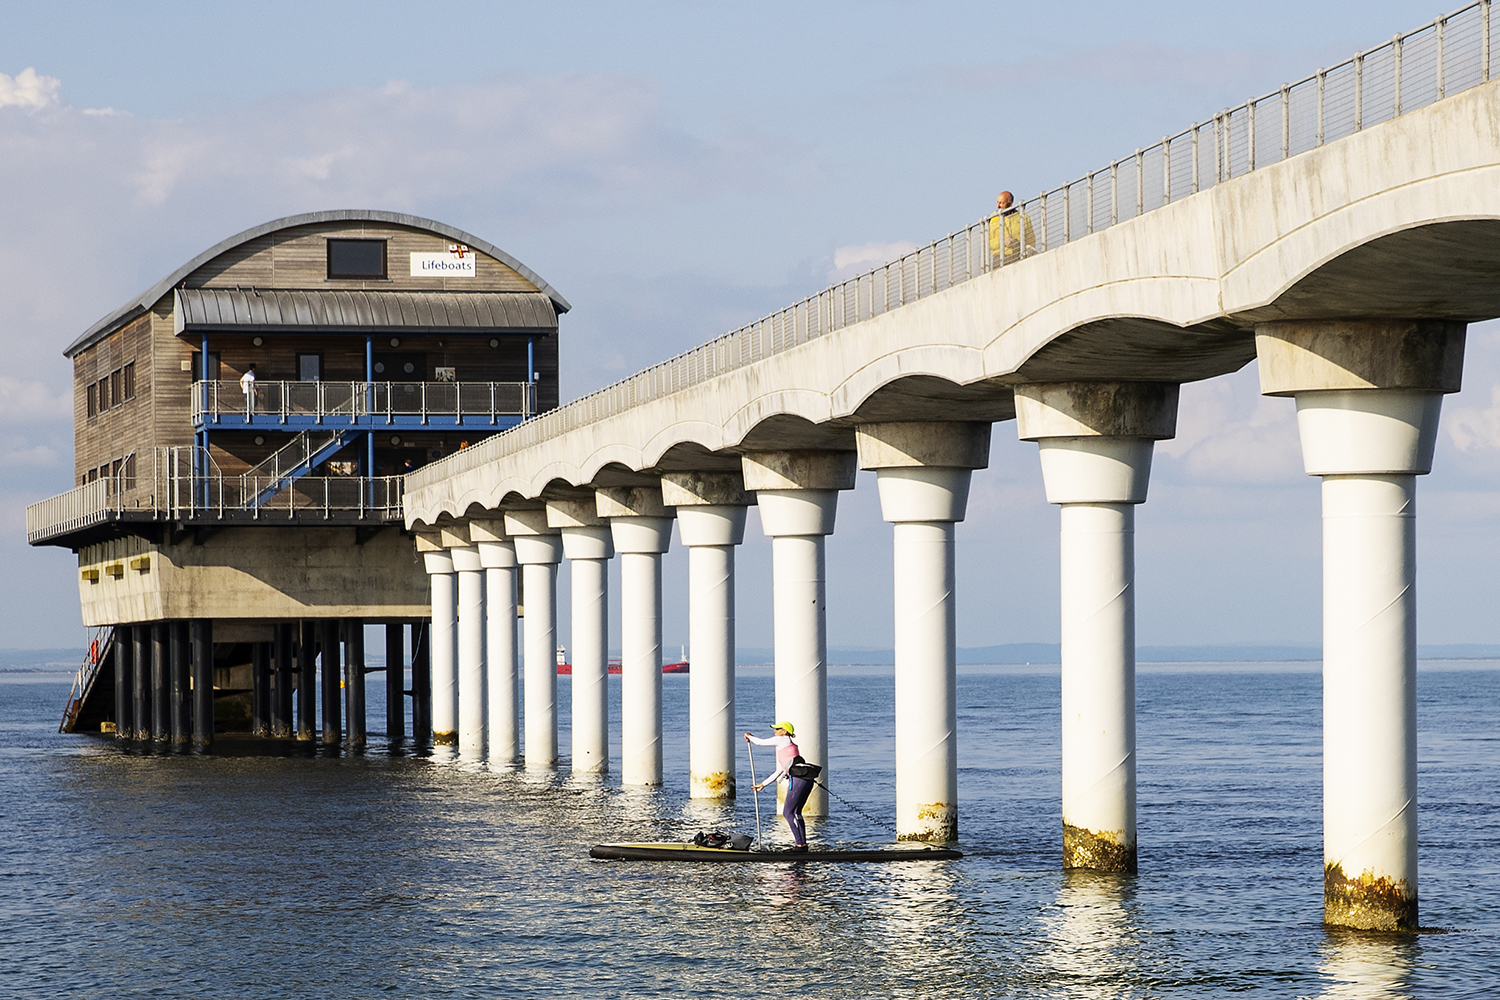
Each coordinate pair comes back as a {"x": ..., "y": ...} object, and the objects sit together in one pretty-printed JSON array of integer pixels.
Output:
[
  {"x": 1099, "y": 850},
  {"x": 1369, "y": 902},
  {"x": 720, "y": 783},
  {"x": 939, "y": 824}
]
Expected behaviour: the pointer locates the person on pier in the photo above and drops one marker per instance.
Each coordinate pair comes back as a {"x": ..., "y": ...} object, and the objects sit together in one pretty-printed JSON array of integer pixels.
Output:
[
  {"x": 798, "y": 789},
  {"x": 1010, "y": 232}
]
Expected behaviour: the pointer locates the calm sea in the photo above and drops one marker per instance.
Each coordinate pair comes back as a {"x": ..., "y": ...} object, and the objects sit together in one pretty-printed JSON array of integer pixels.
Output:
[{"x": 250, "y": 874}]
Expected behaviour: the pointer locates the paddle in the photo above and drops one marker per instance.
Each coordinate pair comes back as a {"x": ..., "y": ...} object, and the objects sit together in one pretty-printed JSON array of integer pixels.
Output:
[{"x": 750, "y": 748}]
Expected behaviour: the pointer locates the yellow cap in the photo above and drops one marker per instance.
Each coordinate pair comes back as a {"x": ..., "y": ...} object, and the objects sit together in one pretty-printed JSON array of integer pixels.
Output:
[{"x": 790, "y": 729}]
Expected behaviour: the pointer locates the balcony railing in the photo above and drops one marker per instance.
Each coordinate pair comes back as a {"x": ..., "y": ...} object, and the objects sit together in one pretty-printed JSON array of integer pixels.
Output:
[
  {"x": 363, "y": 403},
  {"x": 181, "y": 484},
  {"x": 1411, "y": 71}
]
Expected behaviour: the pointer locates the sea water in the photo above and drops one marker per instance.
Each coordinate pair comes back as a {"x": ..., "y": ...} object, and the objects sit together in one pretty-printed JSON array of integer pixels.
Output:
[{"x": 247, "y": 873}]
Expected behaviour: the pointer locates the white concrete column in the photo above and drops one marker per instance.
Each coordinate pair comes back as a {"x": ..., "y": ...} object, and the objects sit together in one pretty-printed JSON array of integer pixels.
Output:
[
  {"x": 471, "y": 665},
  {"x": 442, "y": 638},
  {"x": 586, "y": 543},
  {"x": 538, "y": 550},
  {"x": 641, "y": 527},
  {"x": 1368, "y": 397},
  {"x": 798, "y": 497},
  {"x": 497, "y": 554},
  {"x": 1096, "y": 440},
  {"x": 923, "y": 472},
  {"x": 711, "y": 519}
]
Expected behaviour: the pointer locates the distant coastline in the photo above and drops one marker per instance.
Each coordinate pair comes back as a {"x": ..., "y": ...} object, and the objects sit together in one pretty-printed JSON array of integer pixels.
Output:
[{"x": 32, "y": 661}]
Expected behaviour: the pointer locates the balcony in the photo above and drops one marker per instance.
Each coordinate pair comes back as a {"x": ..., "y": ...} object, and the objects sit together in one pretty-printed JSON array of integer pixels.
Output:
[
  {"x": 181, "y": 487},
  {"x": 363, "y": 405}
]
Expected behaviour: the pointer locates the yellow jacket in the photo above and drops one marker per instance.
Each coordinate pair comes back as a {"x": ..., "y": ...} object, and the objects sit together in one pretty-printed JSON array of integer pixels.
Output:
[{"x": 1013, "y": 230}]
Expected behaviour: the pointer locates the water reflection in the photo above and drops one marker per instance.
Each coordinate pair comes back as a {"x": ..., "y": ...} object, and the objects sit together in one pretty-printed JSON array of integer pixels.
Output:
[
  {"x": 1093, "y": 937},
  {"x": 781, "y": 885},
  {"x": 709, "y": 814},
  {"x": 1366, "y": 965}
]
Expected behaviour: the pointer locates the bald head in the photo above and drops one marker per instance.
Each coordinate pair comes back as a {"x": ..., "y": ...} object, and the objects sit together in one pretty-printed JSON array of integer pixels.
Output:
[{"x": 1004, "y": 200}]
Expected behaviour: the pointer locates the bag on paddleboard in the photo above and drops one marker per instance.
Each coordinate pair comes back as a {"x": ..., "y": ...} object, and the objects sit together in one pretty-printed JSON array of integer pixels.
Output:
[
  {"x": 725, "y": 841},
  {"x": 800, "y": 768}
]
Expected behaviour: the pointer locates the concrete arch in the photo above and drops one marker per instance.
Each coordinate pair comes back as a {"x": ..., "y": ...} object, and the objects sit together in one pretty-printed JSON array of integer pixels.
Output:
[
  {"x": 955, "y": 365},
  {"x": 805, "y": 403},
  {"x": 706, "y": 434}
]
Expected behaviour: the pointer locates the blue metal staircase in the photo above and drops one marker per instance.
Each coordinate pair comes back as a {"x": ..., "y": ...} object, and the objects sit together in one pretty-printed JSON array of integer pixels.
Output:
[{"x": 291, "y": 462}]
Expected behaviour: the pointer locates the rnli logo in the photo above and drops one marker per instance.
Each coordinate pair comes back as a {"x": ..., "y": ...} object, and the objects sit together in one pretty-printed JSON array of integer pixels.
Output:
[{"x": 457, "y": 262}]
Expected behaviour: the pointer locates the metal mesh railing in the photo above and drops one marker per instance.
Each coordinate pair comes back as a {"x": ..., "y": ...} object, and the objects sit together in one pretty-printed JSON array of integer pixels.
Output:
[
  {"x": 1409, "y": 72},
  {"x": 183, "y": 483},
  {"x": 333, "y": 402}
]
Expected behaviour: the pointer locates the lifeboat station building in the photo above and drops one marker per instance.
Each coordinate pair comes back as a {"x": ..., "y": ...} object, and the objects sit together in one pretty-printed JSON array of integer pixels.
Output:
[{"x": 241, "y": 430}]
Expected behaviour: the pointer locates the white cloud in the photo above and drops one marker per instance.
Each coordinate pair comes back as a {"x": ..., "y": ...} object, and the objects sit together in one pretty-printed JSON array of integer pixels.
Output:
[
  {"x": 1474, "y": 428},
  {"x": 1227, "y": 432},
  {"x": 38, "y": 455},
  {"x": 849, "y": 261},
  {"x": 29, "y": 90},
  {"x": 24, "y": 402}
]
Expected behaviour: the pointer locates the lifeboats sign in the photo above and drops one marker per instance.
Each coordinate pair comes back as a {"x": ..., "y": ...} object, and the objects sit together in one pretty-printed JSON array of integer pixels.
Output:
[{"x": 458, "y": 262}]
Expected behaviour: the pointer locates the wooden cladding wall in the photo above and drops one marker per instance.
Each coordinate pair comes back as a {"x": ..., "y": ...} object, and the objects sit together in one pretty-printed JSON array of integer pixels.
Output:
[
  {"x": 298, "y": 258},
  {"x": 172, "y": 418},
  {"x": 119, "y": 430}
]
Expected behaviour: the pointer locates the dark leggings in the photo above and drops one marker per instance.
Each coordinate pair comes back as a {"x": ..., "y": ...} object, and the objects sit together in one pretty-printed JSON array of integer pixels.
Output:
[{"x": 798, "y": 789}]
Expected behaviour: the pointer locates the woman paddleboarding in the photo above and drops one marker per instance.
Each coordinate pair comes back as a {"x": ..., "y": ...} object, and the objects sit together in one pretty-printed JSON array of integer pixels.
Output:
[{"x": 798, "y": 789}]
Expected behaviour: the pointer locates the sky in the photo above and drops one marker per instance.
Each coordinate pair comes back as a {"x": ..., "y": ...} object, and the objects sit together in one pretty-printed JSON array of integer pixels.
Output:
[{"x": 676, "y": 170}]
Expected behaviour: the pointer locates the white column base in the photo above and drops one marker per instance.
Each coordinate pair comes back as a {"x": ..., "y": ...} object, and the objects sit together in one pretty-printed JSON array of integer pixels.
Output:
[
  {"x": 472, "y": 707},
  {"x": 444, "y": 648},
  {"x": 640, "y": 541}
]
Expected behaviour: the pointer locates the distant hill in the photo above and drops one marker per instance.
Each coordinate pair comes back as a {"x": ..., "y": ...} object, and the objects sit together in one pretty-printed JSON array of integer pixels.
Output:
[
  {"x": 1051, "y": 652},
  {"x": 30, "y": 660}
]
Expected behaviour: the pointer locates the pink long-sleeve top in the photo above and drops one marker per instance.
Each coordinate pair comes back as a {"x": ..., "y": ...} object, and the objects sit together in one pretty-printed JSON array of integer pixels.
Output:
[{"x": 786, "y": 752}]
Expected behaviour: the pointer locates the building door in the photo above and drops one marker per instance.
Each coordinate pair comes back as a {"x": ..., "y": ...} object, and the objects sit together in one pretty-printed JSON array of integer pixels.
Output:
[{"x": 309, "y": 368}]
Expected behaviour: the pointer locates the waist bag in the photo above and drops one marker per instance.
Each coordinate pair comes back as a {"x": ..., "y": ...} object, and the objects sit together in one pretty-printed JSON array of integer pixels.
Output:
[{"x": 800, "y": 768}]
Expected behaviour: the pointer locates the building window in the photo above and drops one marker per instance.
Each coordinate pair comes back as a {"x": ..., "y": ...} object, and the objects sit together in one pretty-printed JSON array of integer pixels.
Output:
[
  {"x": 129, "y": 470},
  {"x": 356, "y": 258},
  {"x": 93, "y": 393},
  {"x": 309, "y": 368},
  {"x": 116, "y": 388},
  {"x": 128, "y": 377}
]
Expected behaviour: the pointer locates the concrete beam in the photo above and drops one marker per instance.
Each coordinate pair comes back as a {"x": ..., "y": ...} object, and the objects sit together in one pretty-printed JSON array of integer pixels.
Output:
[
  {"x": 799, "y": 470},
  {"x": 1310, "y": 355},
  {"x": 630, "y": 501},
  {"x": 1146, "y": 410},
  {"x": 956, "y": 445},
  {"x": 694, "y": 489}
]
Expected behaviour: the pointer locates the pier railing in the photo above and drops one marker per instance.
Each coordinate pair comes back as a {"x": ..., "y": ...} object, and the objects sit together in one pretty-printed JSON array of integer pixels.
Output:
[
  {"x": 363, "y": 402},
  {"x": 1411, "y": 71},
  {"x": 182, "y": 484}
]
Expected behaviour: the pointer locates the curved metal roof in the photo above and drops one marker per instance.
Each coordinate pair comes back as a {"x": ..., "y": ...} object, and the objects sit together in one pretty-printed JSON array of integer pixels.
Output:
[
  {"x": 297, "y": 310},
  {"x": 139, "y": 305}
]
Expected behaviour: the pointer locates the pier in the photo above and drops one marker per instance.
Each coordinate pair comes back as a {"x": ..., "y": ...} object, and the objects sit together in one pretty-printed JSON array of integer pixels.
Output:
[{"x": 1330, "y": 230}]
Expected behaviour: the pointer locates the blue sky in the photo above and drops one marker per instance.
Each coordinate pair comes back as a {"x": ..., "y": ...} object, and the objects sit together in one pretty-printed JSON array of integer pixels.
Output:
[{"x": 676, "y": 169}]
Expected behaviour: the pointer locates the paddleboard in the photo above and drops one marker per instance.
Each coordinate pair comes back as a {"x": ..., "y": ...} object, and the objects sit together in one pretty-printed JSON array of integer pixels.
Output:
[{"x": 692, "y": 852}]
